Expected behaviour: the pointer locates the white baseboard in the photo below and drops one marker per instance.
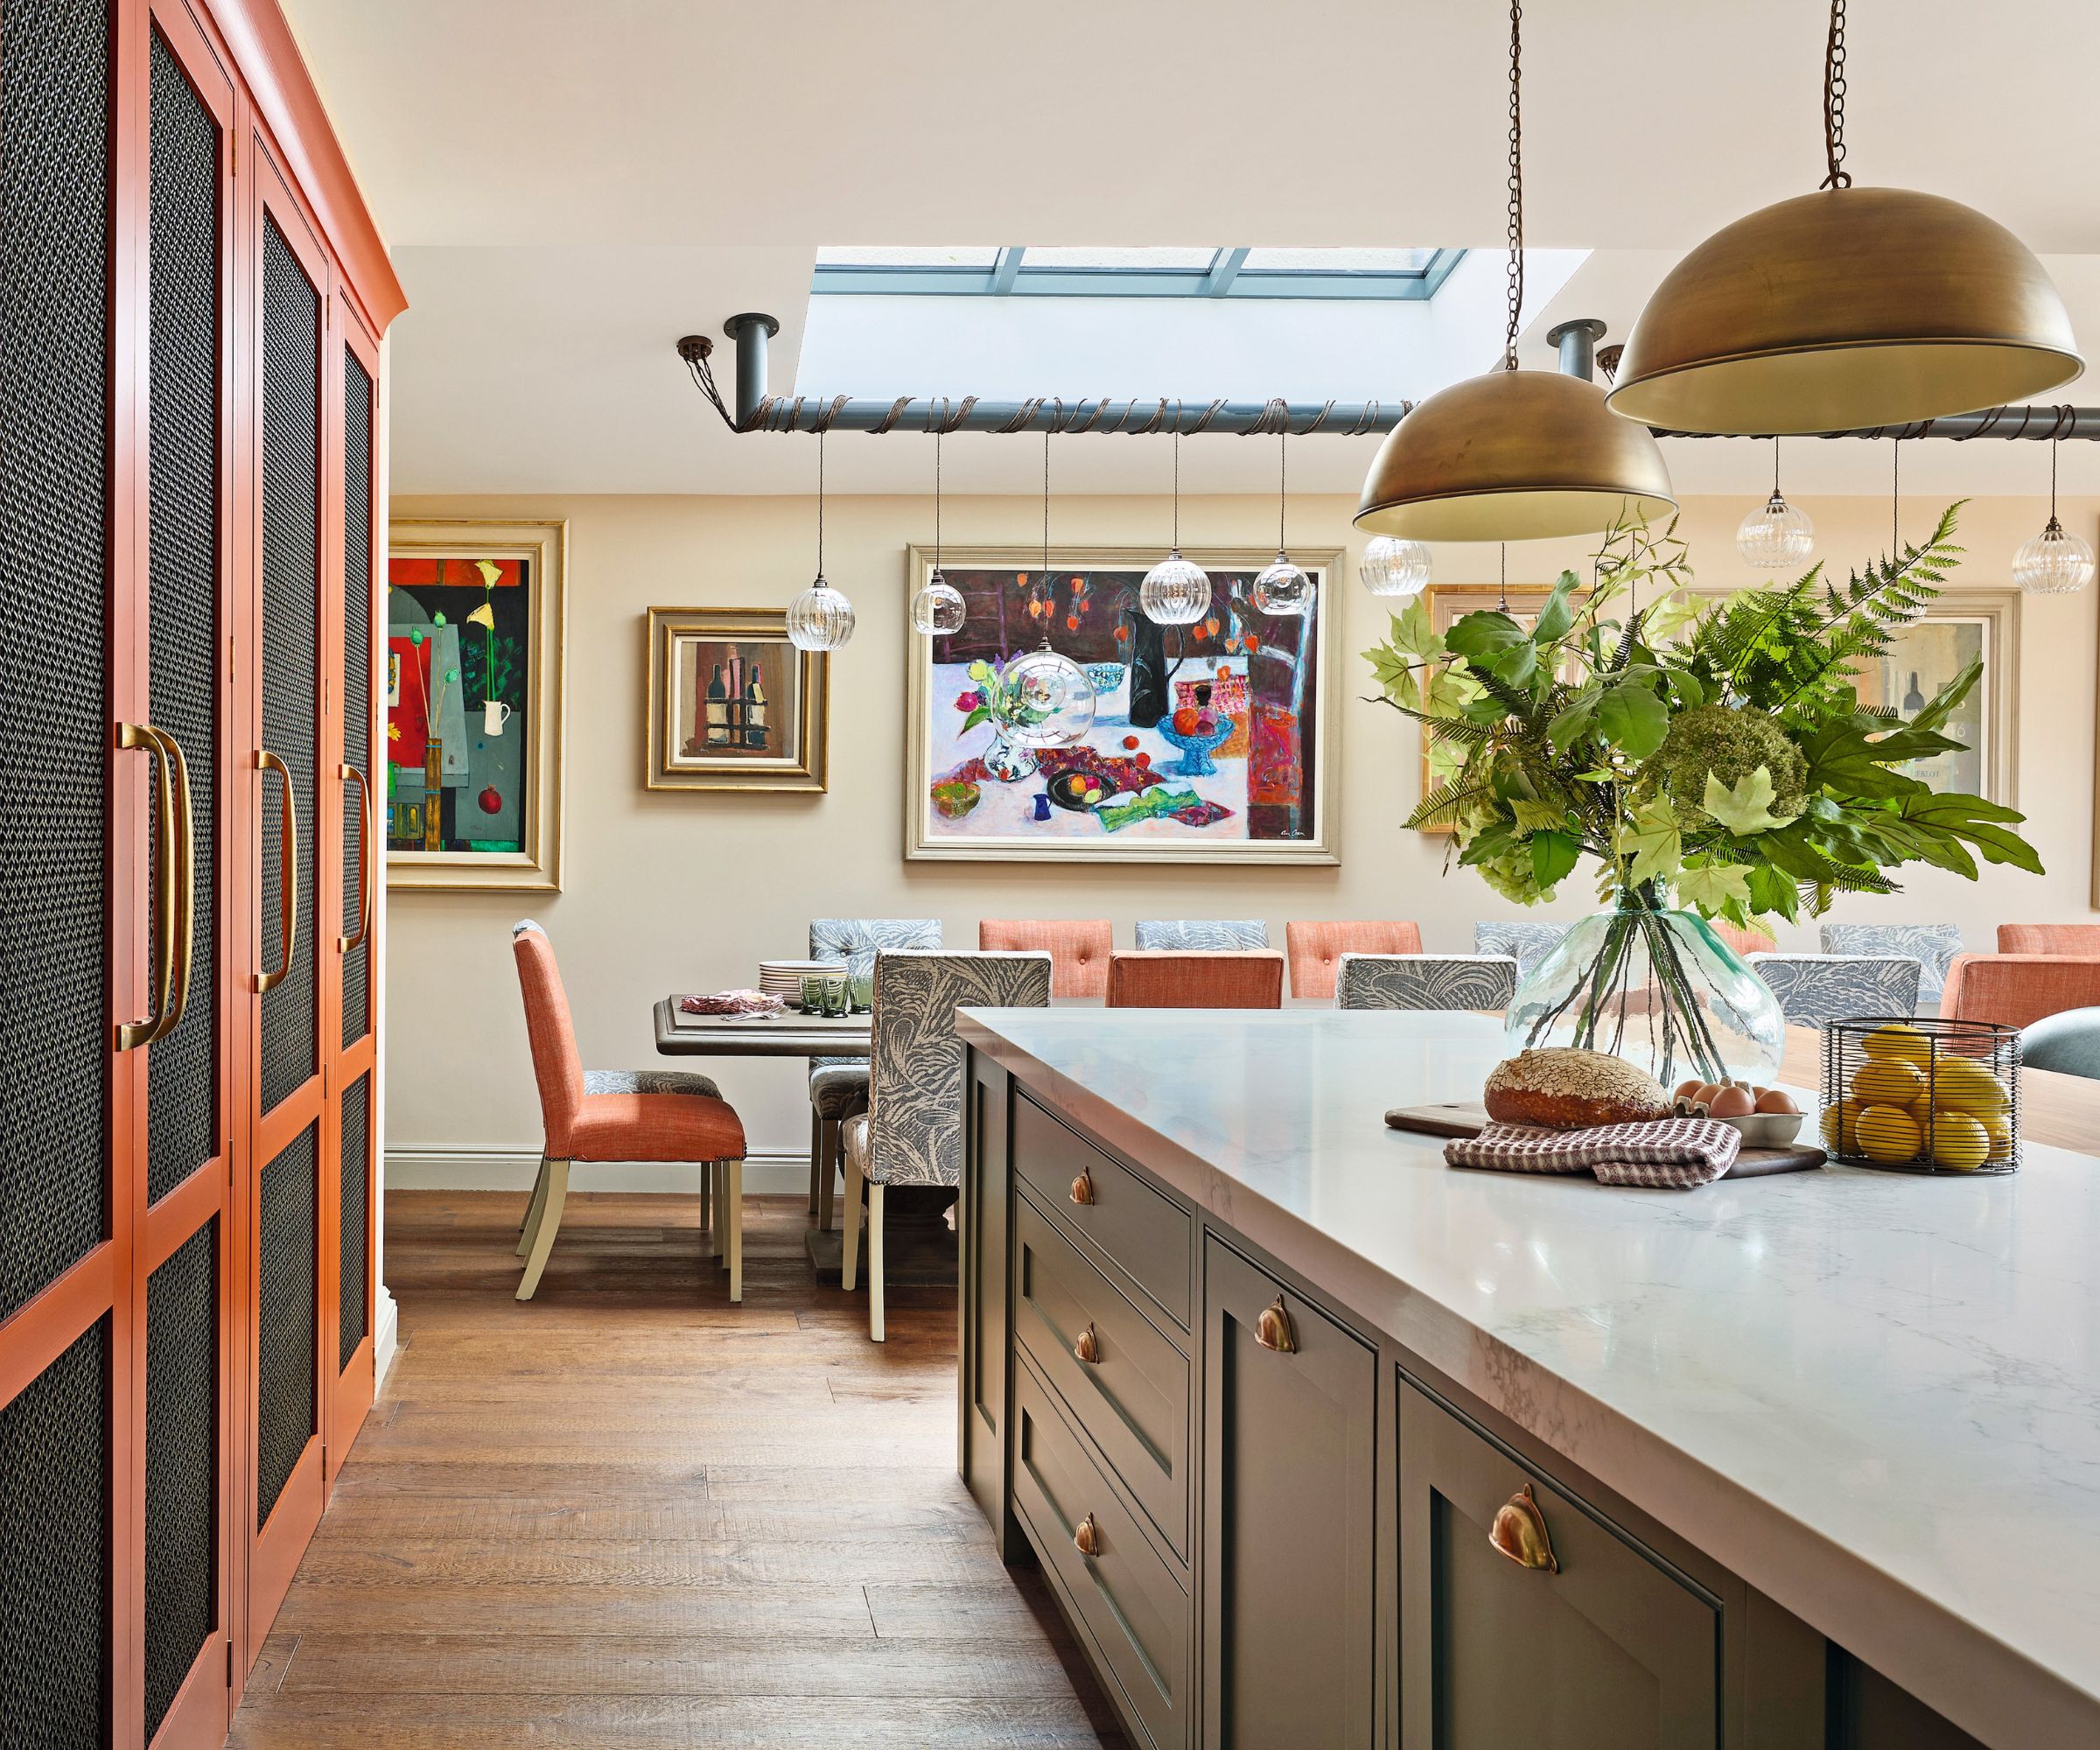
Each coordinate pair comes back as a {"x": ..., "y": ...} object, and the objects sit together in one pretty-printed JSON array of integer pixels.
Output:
[
  {"x": 386, "y": 1336},
  {"x": 511, "y": 1169}
]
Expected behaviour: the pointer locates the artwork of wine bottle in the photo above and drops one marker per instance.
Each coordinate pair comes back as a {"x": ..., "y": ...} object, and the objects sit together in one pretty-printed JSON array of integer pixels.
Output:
[
  {"x": 736, "y": 697},
  {"x": 754, "y": 710},
  {"x": 717, "y": 711}
]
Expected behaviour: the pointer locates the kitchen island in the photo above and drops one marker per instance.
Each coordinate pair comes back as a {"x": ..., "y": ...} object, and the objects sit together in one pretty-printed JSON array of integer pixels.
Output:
[{"x": 1816, "y": 1456}]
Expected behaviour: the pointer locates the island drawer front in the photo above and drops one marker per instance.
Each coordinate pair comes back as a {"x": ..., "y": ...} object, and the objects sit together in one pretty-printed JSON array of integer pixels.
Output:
[
  {"x": 1132, "y": 1399},
  {"x": 1143, "y": 1233},
  {"x": 1124, "y": 1593},
  {"x": 1616, "y": 1650}
]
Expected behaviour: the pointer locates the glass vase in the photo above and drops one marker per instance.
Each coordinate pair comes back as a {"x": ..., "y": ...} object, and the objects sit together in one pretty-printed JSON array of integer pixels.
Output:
[
  {"x": 1006, "y": 759},
  {"x": 1657, "y": 987}
]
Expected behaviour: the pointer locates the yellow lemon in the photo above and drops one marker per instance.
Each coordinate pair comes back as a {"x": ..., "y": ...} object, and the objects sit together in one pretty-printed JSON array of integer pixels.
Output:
[
  {"x": 1959, "y": 1141},
  {"x": 1962, "y": 1084},
  {"x": 1999, "y": 1127},
  {"x": 1889, "y": 1134},
  {"x": 1896, "y": 1043},
  {"x": 1840, "y": 1127},
  {"x": 1887, "y": 1081}
]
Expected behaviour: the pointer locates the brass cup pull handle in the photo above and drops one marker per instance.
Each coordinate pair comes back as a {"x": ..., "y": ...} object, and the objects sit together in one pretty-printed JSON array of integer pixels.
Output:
[
  {"x": 1088, "y": 1348},
  {"x": 1087, "y": 1538},
  {"x": 1082, "y": 1188},
  {"x": 1272, "y": 1330},
  {"x": 344, "y": 944},
  {"x": 288, "y": 873},
  {"x": 144, "y": 738},
  {"x": 1519, "y": 1532}
]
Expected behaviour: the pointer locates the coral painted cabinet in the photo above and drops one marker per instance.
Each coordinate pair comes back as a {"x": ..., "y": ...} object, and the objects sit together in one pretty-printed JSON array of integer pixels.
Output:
[{"x": 188, "y": 492}]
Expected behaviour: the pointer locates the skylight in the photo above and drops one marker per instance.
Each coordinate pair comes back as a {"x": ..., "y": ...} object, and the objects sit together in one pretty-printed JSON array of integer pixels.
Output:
[{"x": 1080, "y": 271}]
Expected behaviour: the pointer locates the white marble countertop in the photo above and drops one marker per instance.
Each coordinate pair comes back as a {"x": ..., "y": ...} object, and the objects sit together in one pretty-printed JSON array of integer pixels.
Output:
[{"x": 1874, "y": 1397}]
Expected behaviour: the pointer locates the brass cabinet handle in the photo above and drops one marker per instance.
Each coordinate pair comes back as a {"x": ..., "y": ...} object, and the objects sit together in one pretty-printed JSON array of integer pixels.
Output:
[
  {"x": 1082, "y": 1188},
  {"x": 143, "y": 738},
  {"x": 1087, "y": 1539},
  {"x": 1272, "y": 1330},
  {"x": 288, "y": 876},
  {"x": 344, "y": 944},
  {"x": 185, "y": 885},
  {"x": 1519, "y": 1532},
  {"x": 1087, "y": 1349}
]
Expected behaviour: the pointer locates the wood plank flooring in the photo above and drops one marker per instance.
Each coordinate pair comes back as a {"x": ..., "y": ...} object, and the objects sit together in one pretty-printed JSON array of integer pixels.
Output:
[{"x": 629, "y": 1517}]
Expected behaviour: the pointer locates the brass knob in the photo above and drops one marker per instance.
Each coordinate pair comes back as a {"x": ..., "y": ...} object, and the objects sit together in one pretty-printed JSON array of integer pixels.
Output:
[
  {"x": 1082, "y": 1188},
  {"x": 1087, "y": 1349},
  {"x": 1272, "y": 1330},
  {"x": 1087, "y": 1539},
  {"x": 1519, "y": 1532}
]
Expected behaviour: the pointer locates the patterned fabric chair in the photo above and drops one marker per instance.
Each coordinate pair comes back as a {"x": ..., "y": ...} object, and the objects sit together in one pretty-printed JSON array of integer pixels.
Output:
[
  {"x": 1214, "y": 935},
  {"x": 911, "y": 1132},
  {"x": 1814, "y": 989},
  {"x": 615, "y": 1115},
  {"x": 2068, "y": 1043},
  {"x": 1196, "y": 978},
  {"x": 1486, "y": 982},
  {"x": 1079, "y": 948},
  {"x": 839, "y": 1086},
  {"x": 2018, "y": 990},
  {"x": 1315, "y": 947},
  {"x": 1526, "y": 943},
  {"x": 1933, "y": 946},
  {"x": 2048, "y": 939}
]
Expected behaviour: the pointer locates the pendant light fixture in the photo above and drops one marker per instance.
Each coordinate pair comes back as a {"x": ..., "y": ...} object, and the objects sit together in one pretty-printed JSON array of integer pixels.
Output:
[
  {"x": 1512, "y": 455},
  {"x": 1283, "y": 589},
  {"x": 820, "y": 617},
  {"x": 1394, "y": 568},
  {"x": 2055, "y": 561},
  {"x": 1056, "y": 697},
  {"x": 937, "y": 609},
  {"x": 1846, "y": 308},
  {"x": 1776, "y": 534},
  {"x": 1176, "y": 592}
]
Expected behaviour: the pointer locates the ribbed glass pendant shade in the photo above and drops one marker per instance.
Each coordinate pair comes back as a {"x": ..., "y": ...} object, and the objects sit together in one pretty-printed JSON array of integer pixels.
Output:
[
  {"x": 1176, "y": 592},
  {"x": 2055, "y": 563},
  {"x": 1393, "y": 567},
  {"x": 1053, "y": 700},
  {"x": 937, "y": 609},
  {"x": 1775, "y": 535},
  {"x": 1283, "y": 589},
  {"x": 820, "y": 617}
]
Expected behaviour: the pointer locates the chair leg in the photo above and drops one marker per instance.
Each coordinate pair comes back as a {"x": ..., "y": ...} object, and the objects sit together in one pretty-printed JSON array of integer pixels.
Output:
[
  {"x": 709, "y": 1243},
  {"x": 829, "y": 1132},
  {"x": 849, "y": 1256},
  {"x": 874, "y": 1262},
  {"x": 816, "y": 1152},
  {"x": 533, "y": 1208},
  {"x": 550, "y": 1221},
  {"x": 732, "y": 1174}
]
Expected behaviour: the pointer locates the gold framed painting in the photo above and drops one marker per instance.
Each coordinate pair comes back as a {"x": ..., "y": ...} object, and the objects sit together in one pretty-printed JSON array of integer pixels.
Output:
[
  {"x": 475, "y": 617},
  {"x": 733, "y": 705},
  {"x": 1961, "y": 625}
]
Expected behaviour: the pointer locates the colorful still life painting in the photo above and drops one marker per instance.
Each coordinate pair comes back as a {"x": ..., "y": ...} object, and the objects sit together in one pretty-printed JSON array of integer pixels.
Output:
[{"x": 1205, "y": 743}]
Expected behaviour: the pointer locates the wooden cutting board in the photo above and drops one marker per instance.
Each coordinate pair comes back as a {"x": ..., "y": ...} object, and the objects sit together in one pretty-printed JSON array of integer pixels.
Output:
[{"x": 1469, "y": 1119}]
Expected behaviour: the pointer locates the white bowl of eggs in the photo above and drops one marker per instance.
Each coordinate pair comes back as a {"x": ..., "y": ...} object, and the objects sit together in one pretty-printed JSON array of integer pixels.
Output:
[{"x": 1766, "y": 1117}]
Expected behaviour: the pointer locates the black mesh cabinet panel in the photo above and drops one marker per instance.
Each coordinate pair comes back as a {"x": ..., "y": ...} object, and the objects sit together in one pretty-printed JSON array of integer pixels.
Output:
[
  {"x": 292, "y": 319},
  {"x": 356, "y": 1213},
  {"x": 357, "y": 679},
  {"x": 54, "y": 1548},
  {"x": 289, "y": 1240},
  {"x": 182, "y": 1441},
  {"x": 54, "y": 276},
  {"x": 183, "y": 1108}
]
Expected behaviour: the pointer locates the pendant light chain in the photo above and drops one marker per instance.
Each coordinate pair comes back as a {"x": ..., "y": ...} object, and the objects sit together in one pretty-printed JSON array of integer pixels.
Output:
[
  {"x": 1833, "y": 100},
  {"x": 1516, "y": 269}
]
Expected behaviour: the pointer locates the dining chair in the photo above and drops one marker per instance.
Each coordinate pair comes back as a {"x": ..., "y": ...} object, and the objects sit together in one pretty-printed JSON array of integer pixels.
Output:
[
  {"x": 1933, "y": 946},
  {"x": 911, "y": 1131},
  {"x": 616, "y": 1116},
  {"x": 1196, "y": 978},
  {"x": 2048, "y": 939},
  {"x": 1524, "y": 941},
  {"x": 1815, "y": 990},
  {"x": 839, "y": 1086},
  {"x": 1216, "y": 934},
  {"x": 1079, "y": 948},
  {"x": 2018, "y": 989},
  {"x": 1485, "y": 982},
  {"x": 2068, "y": 1043},
  {"x": 1314, "y": 947}
]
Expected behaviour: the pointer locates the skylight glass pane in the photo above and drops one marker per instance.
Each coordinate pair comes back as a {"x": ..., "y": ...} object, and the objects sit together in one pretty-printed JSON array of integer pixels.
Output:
[
  {"x": 947, "y": 256},
  {"x": 1112, "y": 261},
  {"x": 1336, "y": 261}
]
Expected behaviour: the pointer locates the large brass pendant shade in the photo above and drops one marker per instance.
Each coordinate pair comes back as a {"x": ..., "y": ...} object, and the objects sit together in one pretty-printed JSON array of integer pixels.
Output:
[
  {"x": 1513, "y": 456},
  {"x": 1846, "y": 308}
]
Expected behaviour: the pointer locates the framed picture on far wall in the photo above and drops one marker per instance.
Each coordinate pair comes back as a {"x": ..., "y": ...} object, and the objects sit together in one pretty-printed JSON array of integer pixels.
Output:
[
  {"x": 1209, "y": 742},
  {"x": 1961, "y": 625},
  {"x": 732, "y": 705},
  {"x": 473, "y": 704}
]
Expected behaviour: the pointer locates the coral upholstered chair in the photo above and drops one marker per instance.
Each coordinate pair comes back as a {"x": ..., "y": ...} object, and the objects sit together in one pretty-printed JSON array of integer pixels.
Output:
[
  {"x": 610, "y": 1116},
  {"x": 2018, "y": 990},
  {"x": 1079, "y": 948},
  {"x": 2048, "y": 939},
  {"x": 1743, "y": 941},
  {"x": 1196, "y": 978},
  {"x": 1315, "y": 947}
]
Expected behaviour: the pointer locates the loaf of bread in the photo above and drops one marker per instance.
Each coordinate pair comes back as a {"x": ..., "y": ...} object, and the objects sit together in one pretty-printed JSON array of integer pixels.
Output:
[{"x": 1564, "y": 1089}]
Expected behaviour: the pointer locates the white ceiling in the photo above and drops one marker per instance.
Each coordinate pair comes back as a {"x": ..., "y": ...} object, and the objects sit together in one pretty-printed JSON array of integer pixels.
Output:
[{"x": 569, "y": 188}]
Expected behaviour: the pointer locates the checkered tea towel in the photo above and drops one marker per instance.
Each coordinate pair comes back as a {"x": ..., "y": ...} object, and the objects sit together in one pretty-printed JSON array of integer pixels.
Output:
[{"x": 1674, "y": 1153}]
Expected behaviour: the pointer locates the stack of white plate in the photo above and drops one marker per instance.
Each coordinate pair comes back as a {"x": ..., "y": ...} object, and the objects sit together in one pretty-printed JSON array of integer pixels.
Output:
[{"x": 784, "y": 978}]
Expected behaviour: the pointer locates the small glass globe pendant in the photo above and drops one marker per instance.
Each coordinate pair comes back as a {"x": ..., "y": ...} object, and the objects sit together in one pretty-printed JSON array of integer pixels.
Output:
[
  {"x": 1775, "y": 535},
  {"x": 1052, "y": 700},
  {"x": 2054, "y": 563},
  {"x": 1176, "y": 592},
  {"x": 1284, "y": 589},
  {"x": 937, "y": 609},
  {"x": 1393, "y": 567},
  {"x": 820, "y": 617}
]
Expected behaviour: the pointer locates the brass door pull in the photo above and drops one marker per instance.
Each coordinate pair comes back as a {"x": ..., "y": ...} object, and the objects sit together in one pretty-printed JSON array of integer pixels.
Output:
[
  {"x": 1519, "y": 1532},
  {"x": 288, "y": 872},
  {"x": 1272, "y": 1330},
  {"x": 173, "y": 873},
  {"x": 1087, "y": 1349},
  {"x": 344, "y": 944},
  {"x": 1082, "y": 1188},
  {"x": 1087, "y": 1539}
]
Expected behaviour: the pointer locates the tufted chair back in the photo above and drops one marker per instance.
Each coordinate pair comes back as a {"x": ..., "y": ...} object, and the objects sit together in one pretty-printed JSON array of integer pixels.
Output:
[
  {"x": 1079, "y": 948},
  {"x": 1315, "y": 949}
]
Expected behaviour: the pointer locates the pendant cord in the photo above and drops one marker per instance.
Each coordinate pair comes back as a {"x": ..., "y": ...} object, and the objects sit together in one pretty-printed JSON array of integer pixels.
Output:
[
  {"x": 1503, "y": 597},
  {"x": 1047, "y": 521},
  {"x": 1776, "y": 467},
  {"x": 937, "y": 436},
  {"x": 1895, "y": 500},
  {"x": 820, "y": 505},
  {"x": 1177, "y": 541},
  {"x": 2053, "y": 443},
  {"x": 1833, "y": 100},
  {"x": 1283, "y": 483},
  {"x": 1516, "y": 270}
]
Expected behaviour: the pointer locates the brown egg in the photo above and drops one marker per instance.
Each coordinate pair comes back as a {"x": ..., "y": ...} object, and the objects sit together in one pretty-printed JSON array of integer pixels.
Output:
[
  {"x": 1687, "y": 1090},
  {"x": 1776, "y": 1099},
  {"x": 1731, "y": 1102},
  {"x": 1703, "y": 1094}
]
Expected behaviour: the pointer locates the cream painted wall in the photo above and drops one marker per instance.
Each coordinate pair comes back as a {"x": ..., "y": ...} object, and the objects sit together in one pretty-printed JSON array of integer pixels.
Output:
[{"x": 670, "y": 892}]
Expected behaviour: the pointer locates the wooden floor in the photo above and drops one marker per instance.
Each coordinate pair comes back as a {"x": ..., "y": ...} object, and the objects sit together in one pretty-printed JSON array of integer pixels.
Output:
[{"x": 629, "y": 1515}]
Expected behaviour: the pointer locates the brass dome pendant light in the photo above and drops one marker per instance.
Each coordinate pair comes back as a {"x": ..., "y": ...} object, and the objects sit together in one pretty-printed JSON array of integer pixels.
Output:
[
  {"x": 1512, "y": 455},
  {"x": 1846, "y": 308}
]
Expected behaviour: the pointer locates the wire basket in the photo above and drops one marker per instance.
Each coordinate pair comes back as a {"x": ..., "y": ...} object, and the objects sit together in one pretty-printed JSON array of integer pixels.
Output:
[{"x": 1921, "y": 1095}]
